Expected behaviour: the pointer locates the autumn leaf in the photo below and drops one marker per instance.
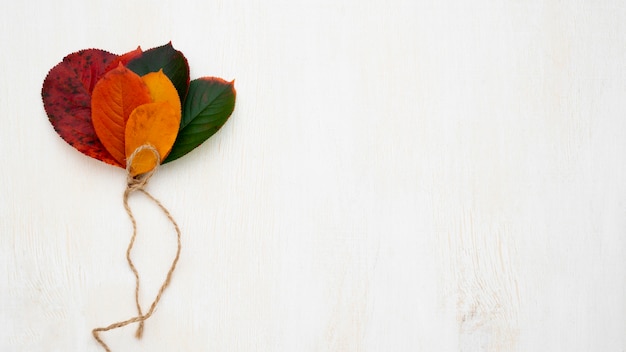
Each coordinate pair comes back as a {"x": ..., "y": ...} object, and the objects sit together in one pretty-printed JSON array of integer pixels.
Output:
[
  {"x": 66, "y": 95},
  {"x": 166, "y": 58},
  {"x": 149, "y": 125},
  {"x": 209, "y": 103},
  {"x": 161, "y": 89},
  {"x": 114, "y": 97},
  {"x": 154, "y": 124},
  {"x": 124, "y": 59}
]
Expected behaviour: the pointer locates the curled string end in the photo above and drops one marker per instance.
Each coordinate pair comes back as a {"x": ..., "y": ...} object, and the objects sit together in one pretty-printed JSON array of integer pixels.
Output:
[{"x": 139, "y": 332}]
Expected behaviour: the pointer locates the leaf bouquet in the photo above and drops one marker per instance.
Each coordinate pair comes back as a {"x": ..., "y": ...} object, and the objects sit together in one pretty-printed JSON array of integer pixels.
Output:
[{"x": 135, "y": 111}]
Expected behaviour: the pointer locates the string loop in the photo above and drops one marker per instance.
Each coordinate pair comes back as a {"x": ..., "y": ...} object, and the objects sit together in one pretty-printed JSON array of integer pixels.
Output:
[{"x": 137, "y": 184}]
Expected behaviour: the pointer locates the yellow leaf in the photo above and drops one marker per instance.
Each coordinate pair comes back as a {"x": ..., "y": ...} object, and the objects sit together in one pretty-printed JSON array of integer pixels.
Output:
[
  {"x": 162, "y": 89},
  {"x": 154, "y": 124}
]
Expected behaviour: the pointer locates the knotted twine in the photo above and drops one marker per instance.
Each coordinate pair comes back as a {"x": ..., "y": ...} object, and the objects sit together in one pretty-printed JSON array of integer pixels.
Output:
[{"x": 134, "y": 184}]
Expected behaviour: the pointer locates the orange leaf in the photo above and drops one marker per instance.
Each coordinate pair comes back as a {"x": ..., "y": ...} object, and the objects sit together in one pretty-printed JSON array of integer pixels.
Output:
[
  {"x": 114, "y": 97},
  {"x": 154, "y": 124},
  {"x": 162, "y": 89}
]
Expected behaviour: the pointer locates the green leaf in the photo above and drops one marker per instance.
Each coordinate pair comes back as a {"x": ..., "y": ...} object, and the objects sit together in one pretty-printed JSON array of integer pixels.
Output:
[
  {"x": 172, "y": 61},
  {"x": 209, "y": 103}
]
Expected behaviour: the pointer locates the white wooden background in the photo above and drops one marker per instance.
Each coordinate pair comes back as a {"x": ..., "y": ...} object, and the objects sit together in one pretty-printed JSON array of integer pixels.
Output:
[{"x": 397, "y": 176}]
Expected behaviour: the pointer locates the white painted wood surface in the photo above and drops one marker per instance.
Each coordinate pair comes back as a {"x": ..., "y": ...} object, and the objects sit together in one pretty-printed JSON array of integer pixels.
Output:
[{"x": 397, "y": 176}]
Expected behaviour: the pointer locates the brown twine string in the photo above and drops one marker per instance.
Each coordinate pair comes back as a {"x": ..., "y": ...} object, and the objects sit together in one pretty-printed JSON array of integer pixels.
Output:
[{"x": 138, "y": 183}]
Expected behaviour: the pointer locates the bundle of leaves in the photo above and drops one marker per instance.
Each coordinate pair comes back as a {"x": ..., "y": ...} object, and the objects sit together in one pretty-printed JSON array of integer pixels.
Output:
[{"x": 107, "y": 105}]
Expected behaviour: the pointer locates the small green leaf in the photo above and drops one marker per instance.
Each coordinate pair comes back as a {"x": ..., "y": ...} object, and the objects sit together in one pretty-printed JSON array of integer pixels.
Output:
[
  {"x": 209, "y": 103},
  {"x": 172, "y": 61}
]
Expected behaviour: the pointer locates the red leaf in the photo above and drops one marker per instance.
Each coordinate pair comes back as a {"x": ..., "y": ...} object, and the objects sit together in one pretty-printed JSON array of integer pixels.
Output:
[
  {"x": 66, "y": 97},
  {"x": 124, "y": 59}
]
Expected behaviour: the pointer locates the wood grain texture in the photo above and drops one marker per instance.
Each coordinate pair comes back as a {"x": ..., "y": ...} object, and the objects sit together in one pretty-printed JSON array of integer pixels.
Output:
[{"x": 396, "y": 176}]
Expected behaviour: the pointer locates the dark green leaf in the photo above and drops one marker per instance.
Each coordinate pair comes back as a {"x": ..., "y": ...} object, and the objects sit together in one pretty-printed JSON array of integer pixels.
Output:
[
  {"x": 209, "y": 103},
  {"x": 172, "y": 61}
]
